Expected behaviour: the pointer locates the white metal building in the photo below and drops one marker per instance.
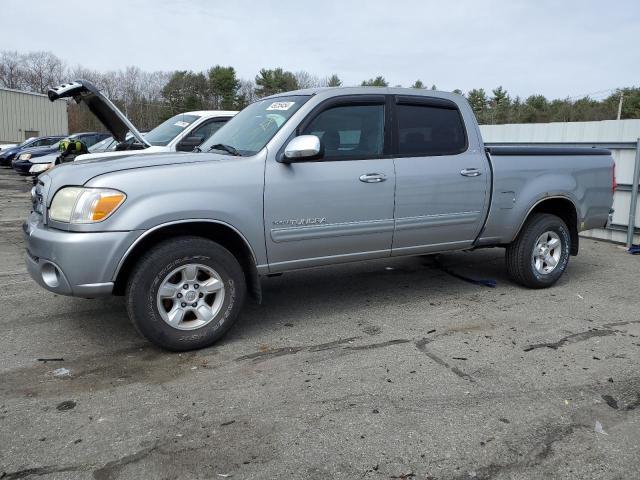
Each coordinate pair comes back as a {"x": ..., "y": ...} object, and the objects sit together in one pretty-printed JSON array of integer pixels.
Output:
[
  {"x": 26, "y": 114},
  {"x": 622, "y": 137}
]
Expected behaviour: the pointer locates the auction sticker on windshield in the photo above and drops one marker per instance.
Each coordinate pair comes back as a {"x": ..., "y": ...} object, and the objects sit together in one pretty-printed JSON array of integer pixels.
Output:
[
  {"x": 281, "y": 105},
  {"x": 182, "y": 124}
]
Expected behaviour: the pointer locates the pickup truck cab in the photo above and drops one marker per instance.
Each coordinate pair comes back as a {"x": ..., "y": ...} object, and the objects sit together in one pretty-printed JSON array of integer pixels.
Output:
[{"x": 303, "y": 179}]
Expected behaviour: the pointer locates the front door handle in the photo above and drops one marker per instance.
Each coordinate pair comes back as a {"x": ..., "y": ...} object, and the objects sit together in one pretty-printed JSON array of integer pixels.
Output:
[
  {"x": 373, "y": 177},
  {"x": 470, "y": 172}
]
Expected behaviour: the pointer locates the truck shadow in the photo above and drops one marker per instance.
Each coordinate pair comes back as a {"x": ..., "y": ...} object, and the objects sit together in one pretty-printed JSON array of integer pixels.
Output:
[{"x": 299, "y": 297}]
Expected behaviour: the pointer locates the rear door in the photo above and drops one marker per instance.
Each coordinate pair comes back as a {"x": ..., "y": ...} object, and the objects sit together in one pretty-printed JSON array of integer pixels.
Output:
[
  {"x": 441, "y": 180},
  {"x": 339, "y": 207}
]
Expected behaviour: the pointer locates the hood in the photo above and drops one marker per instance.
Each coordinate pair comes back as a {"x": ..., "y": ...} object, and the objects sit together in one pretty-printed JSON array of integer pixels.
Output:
[
  {"x": 108, "y": 114},
  {"x": 9, "y": 151},
  {"x": 79, "y": 173},
  {"x": 120, "y": 154},
  {"x": 48, "y": 158},
  {"x": 39, "y": 151}
]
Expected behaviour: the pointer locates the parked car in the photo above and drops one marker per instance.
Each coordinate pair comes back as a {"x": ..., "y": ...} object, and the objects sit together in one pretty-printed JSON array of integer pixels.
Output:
[
  {"x": 180, "y": 133},
  {"x": 7, "y": 155},
  {"x": 4, "y": 146},
  {"x": 22, "y": 164},
  {"x": 303, "y": 179}
]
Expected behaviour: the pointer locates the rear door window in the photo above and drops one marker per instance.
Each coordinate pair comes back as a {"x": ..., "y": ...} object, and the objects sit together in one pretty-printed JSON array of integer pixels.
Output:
[{"x": 429, "y": 130}]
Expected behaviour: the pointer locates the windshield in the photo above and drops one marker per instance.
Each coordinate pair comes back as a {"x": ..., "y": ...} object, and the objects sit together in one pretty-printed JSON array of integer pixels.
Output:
[
  {"x": 101, "y": 145},
  {"x": 28, "y": 141},
  {"x": 251, "y": 129},
  {"x": 167, "y": 131}
]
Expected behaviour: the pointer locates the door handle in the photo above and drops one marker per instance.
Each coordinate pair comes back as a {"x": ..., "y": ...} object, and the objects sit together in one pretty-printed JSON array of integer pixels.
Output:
[
  {"x": 470, "y": 172},
  {"x": 373, "y": 177}
]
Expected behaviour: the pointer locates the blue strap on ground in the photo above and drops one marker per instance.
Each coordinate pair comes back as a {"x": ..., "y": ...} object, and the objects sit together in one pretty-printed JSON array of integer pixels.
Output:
[
  {"x": 634, "y": 250},
  {"x": 484, "y": 282}
]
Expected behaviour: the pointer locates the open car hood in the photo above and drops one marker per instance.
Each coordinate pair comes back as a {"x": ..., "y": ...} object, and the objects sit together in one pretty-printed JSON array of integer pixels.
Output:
[{"x": 108, "y": 114}]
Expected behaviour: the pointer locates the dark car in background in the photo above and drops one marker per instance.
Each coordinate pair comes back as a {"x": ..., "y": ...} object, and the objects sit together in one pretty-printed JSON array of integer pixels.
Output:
[
  {"x": 8, "y": 154},
  {"x": 22, "y": 164}
]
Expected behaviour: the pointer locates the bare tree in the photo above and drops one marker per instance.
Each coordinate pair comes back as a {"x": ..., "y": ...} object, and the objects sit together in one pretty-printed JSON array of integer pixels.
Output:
[
  {"x": 246, "y": 94},
  {"x": 11, "y": 69},
  {"x": 307, "y": 80},
  {"x": 42, "y": 71}
]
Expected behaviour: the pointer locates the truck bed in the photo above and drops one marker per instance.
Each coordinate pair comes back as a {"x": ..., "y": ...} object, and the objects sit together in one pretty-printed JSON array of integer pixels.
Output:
[{"x": 523, "y": 177}]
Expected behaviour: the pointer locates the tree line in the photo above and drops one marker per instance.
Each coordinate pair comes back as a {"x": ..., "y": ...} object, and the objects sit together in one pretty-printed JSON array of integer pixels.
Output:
[{"x": 148, "y": 98}]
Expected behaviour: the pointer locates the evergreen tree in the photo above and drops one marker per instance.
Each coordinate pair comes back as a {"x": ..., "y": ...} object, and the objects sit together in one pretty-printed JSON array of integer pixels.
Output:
[
  {"x": 270, "y": 81},
  {"x": 334, "y": 81},
  {"x": 223, "y": 86},
  {"x": 379, "y": 81}
]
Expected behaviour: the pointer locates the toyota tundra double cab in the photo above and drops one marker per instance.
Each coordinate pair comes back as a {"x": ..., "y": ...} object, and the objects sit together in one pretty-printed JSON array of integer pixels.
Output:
[{"x": 298, "y": 180}]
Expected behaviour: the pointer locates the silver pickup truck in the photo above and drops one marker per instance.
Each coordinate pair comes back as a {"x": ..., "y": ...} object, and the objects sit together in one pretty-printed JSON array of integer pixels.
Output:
[{"x": 298, "y": 180}]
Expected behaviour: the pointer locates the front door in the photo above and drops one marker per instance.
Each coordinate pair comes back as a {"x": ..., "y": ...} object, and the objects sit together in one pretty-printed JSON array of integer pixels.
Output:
[
  {"x": 441, "y": 180},
  {"x": 338, "y": 207}
]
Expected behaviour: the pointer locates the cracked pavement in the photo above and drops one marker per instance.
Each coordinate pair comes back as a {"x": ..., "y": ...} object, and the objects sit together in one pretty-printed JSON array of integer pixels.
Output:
[{"x": 385, "y": 369}]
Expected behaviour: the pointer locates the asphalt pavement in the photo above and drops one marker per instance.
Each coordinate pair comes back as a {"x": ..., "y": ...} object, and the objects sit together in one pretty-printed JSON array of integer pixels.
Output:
[{"x": 378, "y": 370}]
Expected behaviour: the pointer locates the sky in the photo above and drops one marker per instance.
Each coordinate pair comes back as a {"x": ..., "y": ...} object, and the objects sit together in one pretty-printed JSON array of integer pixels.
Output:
[{"x": 560, "y": 49}]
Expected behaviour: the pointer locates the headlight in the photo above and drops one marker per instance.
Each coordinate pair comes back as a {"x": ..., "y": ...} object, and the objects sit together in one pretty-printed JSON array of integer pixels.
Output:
[
  {"x": 84, "y": 205},
  {"x": 40, "y": 167},
  {"x": 24, "y": 156}
]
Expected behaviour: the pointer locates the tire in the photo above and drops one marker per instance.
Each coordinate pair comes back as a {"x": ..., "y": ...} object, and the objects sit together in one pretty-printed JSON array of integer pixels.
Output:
[
  {"x": 526, "y": 264},
  {"x": 170, "y": 266}
]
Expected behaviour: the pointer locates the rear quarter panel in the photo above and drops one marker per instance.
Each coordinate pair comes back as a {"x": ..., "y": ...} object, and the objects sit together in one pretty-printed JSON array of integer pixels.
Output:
[{"x": 521, "y": 182}]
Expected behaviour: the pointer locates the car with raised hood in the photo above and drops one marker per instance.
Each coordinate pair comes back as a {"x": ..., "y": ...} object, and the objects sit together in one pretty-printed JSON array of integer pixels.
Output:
[
  {"x": 305, "y": 179},
  {"x": 27, "y": 158},
  {"x": 180, "y": 133},
  {"x": 7, "y": 155}
]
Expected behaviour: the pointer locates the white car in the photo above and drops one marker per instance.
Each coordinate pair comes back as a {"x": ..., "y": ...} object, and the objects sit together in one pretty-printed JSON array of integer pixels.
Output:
[
  {"x": 181, "y": 133},
  {"x": 4, "y": 146}
]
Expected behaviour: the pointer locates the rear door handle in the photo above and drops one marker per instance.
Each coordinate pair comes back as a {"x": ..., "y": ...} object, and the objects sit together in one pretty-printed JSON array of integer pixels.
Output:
[
  {"x": 470, "y": 172},
  {"x": 373, "y": 177}
]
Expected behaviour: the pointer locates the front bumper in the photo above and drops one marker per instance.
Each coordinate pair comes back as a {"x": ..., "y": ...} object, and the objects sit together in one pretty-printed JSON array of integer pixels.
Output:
[
  {"x": 22, "y": 166},
  {"x": 79, "y": 264},
  {"x": 5, "y": 160}
]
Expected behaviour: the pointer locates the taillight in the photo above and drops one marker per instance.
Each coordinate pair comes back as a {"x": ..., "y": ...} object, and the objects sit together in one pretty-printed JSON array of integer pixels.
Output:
[{"x": 614, "y": 184}]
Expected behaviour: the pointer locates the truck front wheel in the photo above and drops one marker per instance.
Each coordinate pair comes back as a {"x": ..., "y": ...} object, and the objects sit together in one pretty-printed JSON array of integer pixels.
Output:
[
  {"x": 538, "y": 257},
  {"x": 185, "y": 293}
]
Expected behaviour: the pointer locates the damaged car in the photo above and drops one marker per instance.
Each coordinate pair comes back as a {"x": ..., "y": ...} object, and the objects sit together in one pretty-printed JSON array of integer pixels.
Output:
[{"x": 180, "y": 133}]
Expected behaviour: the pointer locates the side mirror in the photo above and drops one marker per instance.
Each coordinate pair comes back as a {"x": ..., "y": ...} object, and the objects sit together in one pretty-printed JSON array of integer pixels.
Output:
[
  {"x": 304, "y": 147},
  {"x": 189, "y": 143}
]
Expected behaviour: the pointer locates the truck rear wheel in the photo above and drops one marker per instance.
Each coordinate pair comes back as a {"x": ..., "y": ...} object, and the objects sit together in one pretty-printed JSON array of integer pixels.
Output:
[
  {"x": 185, "y": 293},
  {"x": 538, "y": 257}
]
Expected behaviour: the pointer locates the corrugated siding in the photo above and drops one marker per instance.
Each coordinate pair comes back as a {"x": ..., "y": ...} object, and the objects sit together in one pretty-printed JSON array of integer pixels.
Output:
[
  {"x": 21, "y": 112},
  {"x": 606, "y": 131}
]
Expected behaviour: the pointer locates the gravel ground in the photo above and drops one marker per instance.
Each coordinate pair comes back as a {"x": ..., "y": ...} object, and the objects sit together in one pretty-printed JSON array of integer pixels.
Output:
[{"x": 385, "y": 369}]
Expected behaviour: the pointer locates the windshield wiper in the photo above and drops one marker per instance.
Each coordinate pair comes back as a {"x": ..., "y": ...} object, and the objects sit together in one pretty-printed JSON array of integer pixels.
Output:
[
  {"x": 226, "y": 148},
  {"x": 197, "y": 150}
]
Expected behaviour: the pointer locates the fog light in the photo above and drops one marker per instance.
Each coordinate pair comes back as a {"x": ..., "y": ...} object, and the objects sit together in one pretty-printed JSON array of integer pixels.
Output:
[{"x": 50, "y": 275}]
